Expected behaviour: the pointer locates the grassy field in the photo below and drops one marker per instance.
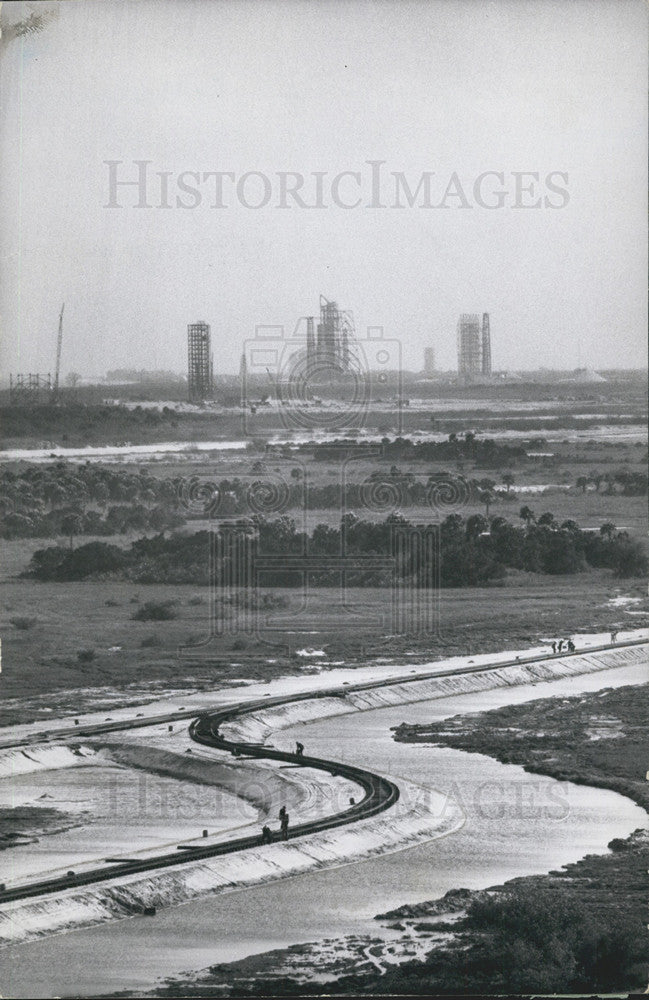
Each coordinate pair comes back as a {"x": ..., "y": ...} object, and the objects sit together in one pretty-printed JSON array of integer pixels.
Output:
[
  {"x": 446, "y": 407},
  {"x": 58, "y": 637},
  {"x": 46, "y": 628}
]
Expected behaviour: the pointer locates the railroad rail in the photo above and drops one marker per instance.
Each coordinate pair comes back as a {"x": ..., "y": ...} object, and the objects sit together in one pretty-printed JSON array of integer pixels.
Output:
[
  {"x": 379, "y": 792},
  {"x": 112, "y": 726}
]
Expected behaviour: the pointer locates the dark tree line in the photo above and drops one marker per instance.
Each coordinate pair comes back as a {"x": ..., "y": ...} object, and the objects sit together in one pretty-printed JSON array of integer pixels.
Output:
[
  {"x": 483, "y": 451},
  {"x": 43, "y": 501},
  {"x": 77, "y": 418},
  {"x": 380, "y": 492},
  {"x": 629, "y": 484},
  {"x": 459, "y": 552}
]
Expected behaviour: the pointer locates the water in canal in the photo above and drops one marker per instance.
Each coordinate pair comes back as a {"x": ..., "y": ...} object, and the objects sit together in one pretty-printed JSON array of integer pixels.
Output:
[{"x": 516, "y": 824}]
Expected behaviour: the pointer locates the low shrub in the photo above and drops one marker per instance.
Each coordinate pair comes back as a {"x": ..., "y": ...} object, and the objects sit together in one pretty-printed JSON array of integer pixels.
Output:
[
  {"x": 151, "y": 640},
  {"x": 23, "y": 623},
  {"x": 155, "y": 611}
]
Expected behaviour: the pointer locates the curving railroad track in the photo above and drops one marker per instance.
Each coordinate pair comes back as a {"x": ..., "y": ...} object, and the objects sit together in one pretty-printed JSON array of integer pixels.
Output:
[{"x": 379, "y": 793}]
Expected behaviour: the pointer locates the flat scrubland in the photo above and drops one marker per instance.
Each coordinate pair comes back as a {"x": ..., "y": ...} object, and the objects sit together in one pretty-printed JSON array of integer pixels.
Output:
[
  {"x": 589, "y": 508},
  {"x": 444, "y": 407},
  {"x": 63, "y": 636},
  {"x": 570, "y": 459},
  {"x": 58, "y": 637}
]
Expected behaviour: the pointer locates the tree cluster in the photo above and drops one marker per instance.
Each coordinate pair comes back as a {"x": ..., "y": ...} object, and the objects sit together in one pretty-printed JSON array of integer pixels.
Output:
[
  {"x": 456, "y": 553},
  {"x": 485, "y": 452},
  {"x": 44, "y": 501},
  {"x": 629, "y": 484},
  {"x": 77, "y": 419}
]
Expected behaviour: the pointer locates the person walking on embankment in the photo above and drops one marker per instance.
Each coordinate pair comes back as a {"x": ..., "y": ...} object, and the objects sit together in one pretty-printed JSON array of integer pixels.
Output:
[{"x": 283, "y": 819}]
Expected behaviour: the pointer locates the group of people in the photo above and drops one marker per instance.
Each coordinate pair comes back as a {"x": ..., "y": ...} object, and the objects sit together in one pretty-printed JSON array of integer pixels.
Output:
[
  {"x": 568, "y": 646},
  {"x": 267, "y": 833},
  {"x": 563, "y": 646}
]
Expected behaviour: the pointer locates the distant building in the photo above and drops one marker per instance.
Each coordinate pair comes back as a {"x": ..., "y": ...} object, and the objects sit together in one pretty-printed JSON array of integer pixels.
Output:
[
  {"x": 429, "y": 361},
  {"x": 335, "y": 333},
  {"x": 486, "y": 346},
  {"x": 469, "y": 353},
  {"x": 199, "y": 358},
  {"x": 473, "y": 347}
]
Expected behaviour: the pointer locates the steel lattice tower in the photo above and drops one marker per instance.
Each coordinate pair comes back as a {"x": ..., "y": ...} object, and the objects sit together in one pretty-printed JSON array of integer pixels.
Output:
[
  {"x": 468, "y": 345},
  {"x": 199, "y": 372},
  {"x": 336, "y": 334},
  {"x": 486, "y": 345},
  {"x": 30, "y": 389}
]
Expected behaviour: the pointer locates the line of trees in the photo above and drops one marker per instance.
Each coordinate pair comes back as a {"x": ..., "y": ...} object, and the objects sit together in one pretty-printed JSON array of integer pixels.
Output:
[
  {"x": 381, "y": 492},
  {"x": 89, "y": 421},
  {"x": 45, "y": 501},
  {"x": 484, "y": 452},
  {"x": 631, "y": 484},
  {"x": 458, "y": 552}
]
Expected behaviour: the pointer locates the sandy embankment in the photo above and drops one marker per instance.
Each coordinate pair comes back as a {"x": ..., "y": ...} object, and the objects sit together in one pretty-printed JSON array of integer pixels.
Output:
[
  {"x": 259, "y": 725},
  {"x": 129, "y": 798},
  {"x": 418, "y": 816},
  {"x": 321, "y": 675},
  {"x": 415, "y": 818}
]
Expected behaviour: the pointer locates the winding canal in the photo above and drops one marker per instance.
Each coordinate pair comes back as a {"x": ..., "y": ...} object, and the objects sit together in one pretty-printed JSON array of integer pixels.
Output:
[{"x": 516, "y": 824}]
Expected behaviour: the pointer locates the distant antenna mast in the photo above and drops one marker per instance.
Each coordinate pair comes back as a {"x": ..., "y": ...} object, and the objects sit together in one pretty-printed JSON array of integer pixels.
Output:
[{"x": 59, "y": 344}]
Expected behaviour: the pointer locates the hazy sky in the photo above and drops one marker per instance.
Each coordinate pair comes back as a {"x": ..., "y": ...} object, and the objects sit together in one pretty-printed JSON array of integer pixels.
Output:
[{"x": 441, "y": 87}]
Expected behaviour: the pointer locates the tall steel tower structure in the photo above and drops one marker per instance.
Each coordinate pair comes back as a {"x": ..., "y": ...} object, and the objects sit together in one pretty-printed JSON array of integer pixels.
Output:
[
  {"x": 335, "y": 335},
  {"x": 486, "y": 345},
  {"x": 469, "y": 354},
  {"x": 199, "y": 372}
]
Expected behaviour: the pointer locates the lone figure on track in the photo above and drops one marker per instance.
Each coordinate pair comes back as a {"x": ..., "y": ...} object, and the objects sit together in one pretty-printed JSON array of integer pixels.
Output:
[
  {"x": 299, "y": 749},
  {"x": 614, "y": 636},
  {"x": 284, "y": 825}
]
